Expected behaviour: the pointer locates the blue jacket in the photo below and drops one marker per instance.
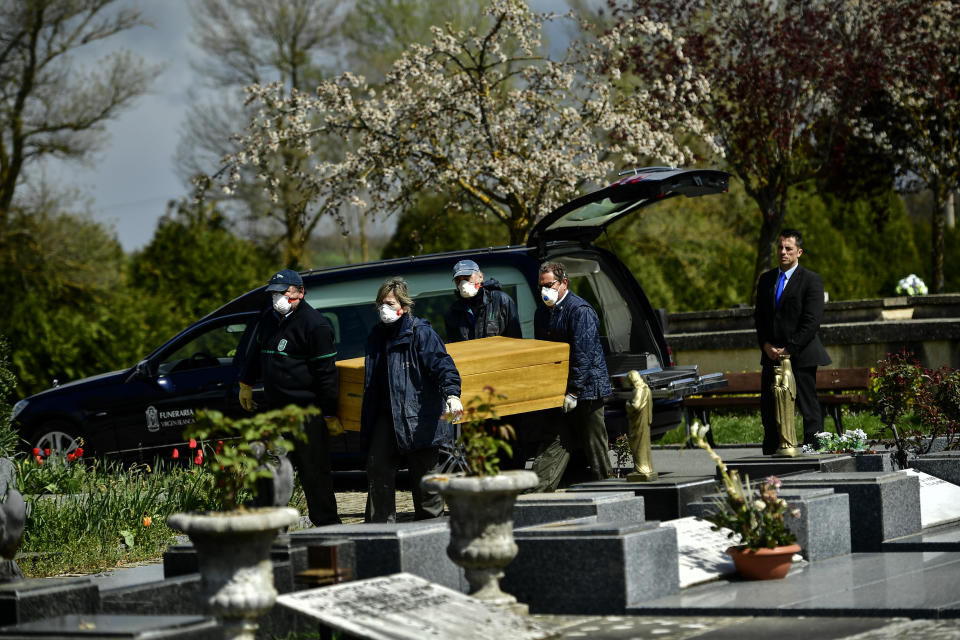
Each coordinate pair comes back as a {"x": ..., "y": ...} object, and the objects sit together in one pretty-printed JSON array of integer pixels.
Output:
[
  {"x": 420, "y": 373},
  {"x": 575, "y": 322},
  {"x": 490, "y": 313}
]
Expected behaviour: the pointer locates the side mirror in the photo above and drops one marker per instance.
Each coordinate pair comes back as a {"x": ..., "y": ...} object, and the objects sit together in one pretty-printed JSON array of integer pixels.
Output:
[{"x": 141, "y": 371}]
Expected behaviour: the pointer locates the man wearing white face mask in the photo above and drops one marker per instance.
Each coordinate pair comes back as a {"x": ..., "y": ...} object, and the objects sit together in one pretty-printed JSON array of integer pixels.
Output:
[
  {"x": 410, "y": 381},
  {"x": 566, "y": 317},
  {"x": 482, "y": 309},
  {"x": 296, "y": 361}
]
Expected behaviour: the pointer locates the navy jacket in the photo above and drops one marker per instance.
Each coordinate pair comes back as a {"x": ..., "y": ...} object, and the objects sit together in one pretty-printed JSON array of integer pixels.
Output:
[
  {"x": 795, "y": 323},
  {"x": 490, "y": 313},
  {"x": 297, "y": 359},
  {"x": 420, "y": 374},
  {"x": 575, "y": 322}
]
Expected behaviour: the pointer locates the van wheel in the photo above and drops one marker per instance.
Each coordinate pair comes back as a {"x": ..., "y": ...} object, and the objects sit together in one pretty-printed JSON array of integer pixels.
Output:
[{"x": 60, "y": 438}]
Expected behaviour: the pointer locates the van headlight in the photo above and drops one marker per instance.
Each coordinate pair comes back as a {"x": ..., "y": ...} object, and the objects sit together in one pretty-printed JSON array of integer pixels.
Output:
[{"x": 18, "y": 409}]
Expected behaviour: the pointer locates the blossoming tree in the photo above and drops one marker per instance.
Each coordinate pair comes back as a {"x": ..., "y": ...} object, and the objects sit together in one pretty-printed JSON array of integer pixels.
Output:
[
  {"x": 483, "y": 114},
  {"x": 920, "y": 124},
  {"x": 786, "y": 79}
]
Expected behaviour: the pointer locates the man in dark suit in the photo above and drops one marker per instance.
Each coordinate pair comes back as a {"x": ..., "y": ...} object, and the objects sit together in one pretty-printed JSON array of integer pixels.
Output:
[{"x": 787, "y": 318}]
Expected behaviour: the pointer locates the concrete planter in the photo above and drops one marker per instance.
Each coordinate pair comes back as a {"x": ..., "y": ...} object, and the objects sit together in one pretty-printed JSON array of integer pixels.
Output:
[
  {"x": 233, "y": 550},
  {"x": 481, "y": 527}
]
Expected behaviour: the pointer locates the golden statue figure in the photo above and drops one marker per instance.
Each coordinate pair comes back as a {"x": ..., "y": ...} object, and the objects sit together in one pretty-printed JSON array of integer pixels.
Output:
[
  {"x": 785, "y": 397},
  {"x": 640, "y": 414}
]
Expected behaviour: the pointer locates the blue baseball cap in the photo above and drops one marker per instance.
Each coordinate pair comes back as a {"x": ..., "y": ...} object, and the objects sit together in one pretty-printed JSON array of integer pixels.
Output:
[
  {"x": 281, "y": 280},
  {"x": 465, "y": 268}
]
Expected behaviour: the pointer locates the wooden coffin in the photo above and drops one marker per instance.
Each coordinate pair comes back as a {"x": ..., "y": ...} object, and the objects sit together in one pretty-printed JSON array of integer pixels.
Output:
[{"x": 532, "y": 374}]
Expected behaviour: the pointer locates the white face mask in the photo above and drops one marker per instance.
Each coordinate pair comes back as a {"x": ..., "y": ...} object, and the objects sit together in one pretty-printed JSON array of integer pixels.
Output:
[
  {"x": 282, "y": 303},
  {"x": 388, "y": 314},
  {"x": 468, "y": 289},
  {"x": 549, "y": 295}
]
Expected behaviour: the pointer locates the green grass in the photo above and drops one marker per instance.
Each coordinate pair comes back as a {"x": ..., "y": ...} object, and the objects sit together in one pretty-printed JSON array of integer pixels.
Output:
[
  {"x": 738, "y": 427},
  {"x": 89, "y": 517}
]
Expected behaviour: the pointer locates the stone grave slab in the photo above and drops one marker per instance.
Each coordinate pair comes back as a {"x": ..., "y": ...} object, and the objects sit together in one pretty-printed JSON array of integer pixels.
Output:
[
  {"x": 940, "y": 538},
  {"x": 942, "y": 464},
  {"x": 823, "y": 528},
  {"x": 115, "y": 626},
  {"x": 758, "y": 467},
  {"x": 539, "y": 508},
  {"x": 665, "y": 498},
  {"x": 29, "y": 600},
  {"x": 874, "y": 461},
  {"x": 939, "y": 499},
  {"x": 406, "y": 607},
  {"x": 883, "y": 506},
  {"x": 382, "y": 549},
  {"x": 591, "y": 568},
  {"x": 179, "y": 595},
  {"x": 701, "y": 551},
  {"x": 288, "y": 560}
]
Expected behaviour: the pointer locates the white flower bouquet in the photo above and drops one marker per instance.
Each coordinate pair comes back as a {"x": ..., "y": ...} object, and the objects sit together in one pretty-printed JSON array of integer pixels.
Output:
[{"x": 912, "y": 285}]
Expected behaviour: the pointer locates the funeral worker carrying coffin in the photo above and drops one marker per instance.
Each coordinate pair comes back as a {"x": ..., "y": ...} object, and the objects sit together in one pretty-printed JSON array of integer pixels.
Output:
[
  {"x": 566, "y": 317},
  {"x": 297, "y": 364},
  {"x": 482, "y": 308},
  {"x": 409, "y": 383}
]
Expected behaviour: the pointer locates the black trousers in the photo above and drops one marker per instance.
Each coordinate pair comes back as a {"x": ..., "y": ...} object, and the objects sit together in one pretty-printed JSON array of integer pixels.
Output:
[
  {"x": 311, "y": 459},
  {"x": 807, "y": 404},
  {"x": 383, "y": 460},
  {"x": 584, "y": 428}
]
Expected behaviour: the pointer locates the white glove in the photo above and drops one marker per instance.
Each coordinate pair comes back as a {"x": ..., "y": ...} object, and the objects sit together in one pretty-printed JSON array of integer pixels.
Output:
[
  {"x": 569, "y": 403},
  {"x": 454, "y": 408}
]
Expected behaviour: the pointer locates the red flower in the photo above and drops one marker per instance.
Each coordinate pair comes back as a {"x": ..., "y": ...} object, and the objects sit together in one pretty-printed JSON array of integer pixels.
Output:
[
  {"x": 39, "y": 459},
  {"x": 36, "y": 451},
  {"x": 46, "y": 452},
  {"x": 193, "y": 443},
  {"x": 198, "y": 459},
  {"x": 176, "y": 454},
  {"x": 79, "y": 452},
  {"x": 71, "y": 457}
]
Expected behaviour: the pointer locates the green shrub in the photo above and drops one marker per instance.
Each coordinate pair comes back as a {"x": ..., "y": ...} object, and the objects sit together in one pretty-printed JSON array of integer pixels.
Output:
[{"x": 9, "y": 438}]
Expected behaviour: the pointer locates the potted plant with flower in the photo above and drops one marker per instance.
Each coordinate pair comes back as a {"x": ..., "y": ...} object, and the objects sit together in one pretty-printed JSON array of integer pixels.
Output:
[
  {"x": 481, "y": 501},
  {"x": 755, "y": 516},
  {"x": 233, "y": 545}
]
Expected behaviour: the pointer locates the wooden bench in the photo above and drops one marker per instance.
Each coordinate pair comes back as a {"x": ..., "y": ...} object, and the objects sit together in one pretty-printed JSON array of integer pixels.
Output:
[{"x": 836, "y": 388}]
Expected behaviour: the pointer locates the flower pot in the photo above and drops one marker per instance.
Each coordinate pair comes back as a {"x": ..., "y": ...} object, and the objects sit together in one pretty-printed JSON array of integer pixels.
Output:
[
  {"x": 233, "y": 551},
  {"x": 763, "y": 564},
  {"x": 481, "y": 527}
]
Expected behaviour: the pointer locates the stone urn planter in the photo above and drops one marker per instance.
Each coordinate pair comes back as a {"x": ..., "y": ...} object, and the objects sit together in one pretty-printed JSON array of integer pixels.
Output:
[
  {"x": 481, "y": 527},
  {"x": 233, "y": 551},
  {"x": 763, "y": 564}
]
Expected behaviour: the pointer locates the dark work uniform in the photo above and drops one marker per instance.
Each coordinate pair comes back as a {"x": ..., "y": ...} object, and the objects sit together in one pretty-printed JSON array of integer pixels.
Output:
[
  {"x": 489, "y": 313},
  {"x": 297, "y": 364},
  {"x": 794, "y": 323},
  {"x": 574, "y": 321},
  {"x": 408, "y": 376}
]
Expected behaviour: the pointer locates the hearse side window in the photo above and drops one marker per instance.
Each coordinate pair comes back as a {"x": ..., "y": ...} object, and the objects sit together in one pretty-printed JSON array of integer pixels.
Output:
[
  {"x": 214, "y": 346},
  {"x": 349, "y": 304},
  {"x": 593, "y": 285}
]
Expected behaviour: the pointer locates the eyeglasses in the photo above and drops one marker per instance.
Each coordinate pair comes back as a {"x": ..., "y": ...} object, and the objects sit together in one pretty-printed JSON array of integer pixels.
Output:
[{"x": 550, "y": 284}]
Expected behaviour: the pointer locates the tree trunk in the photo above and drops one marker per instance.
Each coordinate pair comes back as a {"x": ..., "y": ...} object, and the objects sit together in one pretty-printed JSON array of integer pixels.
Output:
[
  {"x": 364, "y": 243},
  {"x": 769, "y": 230},
  {"x": 951, "y": 211},
  {"x": 938, "y": 225}
]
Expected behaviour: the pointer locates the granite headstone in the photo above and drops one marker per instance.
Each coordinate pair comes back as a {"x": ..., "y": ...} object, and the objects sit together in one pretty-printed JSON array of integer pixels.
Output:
[{"x": 406, "y": 607}]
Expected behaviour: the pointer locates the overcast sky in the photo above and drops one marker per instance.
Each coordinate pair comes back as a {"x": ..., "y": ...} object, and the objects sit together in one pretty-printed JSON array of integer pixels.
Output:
[{"x": 133, "y": 177}]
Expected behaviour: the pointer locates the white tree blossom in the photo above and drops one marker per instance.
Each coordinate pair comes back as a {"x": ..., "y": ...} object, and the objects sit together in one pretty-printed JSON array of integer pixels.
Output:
[{"x": 482, "y": 114}]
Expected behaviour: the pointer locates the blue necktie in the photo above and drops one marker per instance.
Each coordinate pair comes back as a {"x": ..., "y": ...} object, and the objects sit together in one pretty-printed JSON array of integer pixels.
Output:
[{"x": 780, "y": 282}]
